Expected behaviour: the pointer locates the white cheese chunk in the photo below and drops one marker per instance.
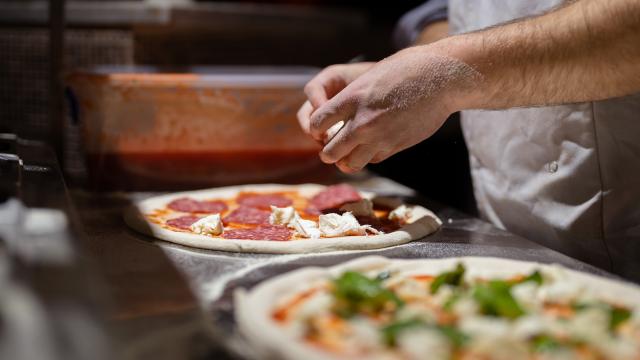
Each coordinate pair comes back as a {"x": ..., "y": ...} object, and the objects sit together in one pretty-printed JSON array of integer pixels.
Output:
[
  {"x": 306, "y": 228},
  {"x": 557, "y": 287},
  {"x": 362, "y": 207},
  {"x": 425, "y": 343},
  {"x": 282, "y": 216},
  {"x": 332, "y": 225},
  {"x": 208, "y": 225},
  {"x": 401, "y": 214},
  {"x": 289, "y": 217},
  {"x": 492, "y": 338},
  {"x": 333, "y": 131}
]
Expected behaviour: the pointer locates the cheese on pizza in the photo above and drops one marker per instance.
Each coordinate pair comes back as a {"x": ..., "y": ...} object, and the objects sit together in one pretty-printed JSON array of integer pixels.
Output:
[
  {"x": 278, "y": 219},
  {"x": 335, "y": 211},
  {"x": 456, "y": 313}
]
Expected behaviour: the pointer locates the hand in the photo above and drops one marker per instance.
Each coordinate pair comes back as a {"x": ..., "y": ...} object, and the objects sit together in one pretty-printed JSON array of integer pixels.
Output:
[
  {"x": 326, "y": 85},
  {"x": 399, "y": 102}
]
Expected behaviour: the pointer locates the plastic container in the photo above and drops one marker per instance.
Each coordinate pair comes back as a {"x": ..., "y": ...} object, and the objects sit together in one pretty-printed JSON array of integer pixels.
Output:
[{"x": 145, "y": 129}]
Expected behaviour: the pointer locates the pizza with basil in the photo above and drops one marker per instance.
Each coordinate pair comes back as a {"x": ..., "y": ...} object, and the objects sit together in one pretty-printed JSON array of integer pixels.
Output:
[
  {"x": 281, "y": 219},
  {"x": 456, "y": 308}
]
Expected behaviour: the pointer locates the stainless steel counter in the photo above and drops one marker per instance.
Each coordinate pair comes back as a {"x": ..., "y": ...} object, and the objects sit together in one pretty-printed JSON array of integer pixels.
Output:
[{"x": 171, "y": 301}]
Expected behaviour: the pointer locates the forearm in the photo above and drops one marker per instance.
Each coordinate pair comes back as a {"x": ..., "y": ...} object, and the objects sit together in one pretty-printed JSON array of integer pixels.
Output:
[{"x": 588, "y": 50}]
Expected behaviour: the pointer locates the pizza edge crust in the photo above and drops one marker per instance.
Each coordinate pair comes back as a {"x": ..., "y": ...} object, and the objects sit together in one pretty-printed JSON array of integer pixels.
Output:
[
  {"x": 253, "y": 307},
  {"x": 423, "y": 223}
]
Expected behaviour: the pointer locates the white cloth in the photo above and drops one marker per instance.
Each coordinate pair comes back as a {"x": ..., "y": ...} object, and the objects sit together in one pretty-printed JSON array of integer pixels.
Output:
[{"x": 565, "y": 176}]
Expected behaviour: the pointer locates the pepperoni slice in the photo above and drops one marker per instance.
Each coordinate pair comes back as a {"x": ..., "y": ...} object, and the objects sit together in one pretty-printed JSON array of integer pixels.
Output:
[
  {"x": 183, "y": 222},
  {"x": 312, "y": 211},
  {"x": 195, "y": 206},
  {"x": 247, "y": 215},
  {"x": 384, "y": 225},
  {"x": 335, "y": 196},
  {"x": 263, "y": 232},
  {"x": 264, "y": 201}
]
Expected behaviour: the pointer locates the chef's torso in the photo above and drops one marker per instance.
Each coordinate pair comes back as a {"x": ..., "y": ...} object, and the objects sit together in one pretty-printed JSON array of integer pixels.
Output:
[{"x": 565, "y": 176}]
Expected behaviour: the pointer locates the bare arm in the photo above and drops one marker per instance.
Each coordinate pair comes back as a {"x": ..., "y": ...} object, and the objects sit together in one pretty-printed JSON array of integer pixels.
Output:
[{"x": 587, "y": 50}]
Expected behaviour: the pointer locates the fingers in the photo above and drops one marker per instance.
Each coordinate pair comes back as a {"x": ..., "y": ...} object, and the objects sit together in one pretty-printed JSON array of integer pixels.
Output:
[
  {"x": 324, "y": 86},
  {"x": 316, "y": 92},
  {"x": 333, "y": 111},
  {"x": 304, "y": 116},
  {"x": 357, "y": 159},
  {"x": 333, "y": 130},
  {"x": 380, "y": 157},
  {"x": 340, "y": 145}
]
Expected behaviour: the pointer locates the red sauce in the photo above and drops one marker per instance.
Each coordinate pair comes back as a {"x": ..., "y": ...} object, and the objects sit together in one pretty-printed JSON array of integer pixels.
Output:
[
  {"x": 281, "y": 314},
  {"x": 423, "y": 277}
]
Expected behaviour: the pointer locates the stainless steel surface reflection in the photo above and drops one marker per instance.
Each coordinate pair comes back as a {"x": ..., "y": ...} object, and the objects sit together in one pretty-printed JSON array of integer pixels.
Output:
[{"x": 171, "y": 301}]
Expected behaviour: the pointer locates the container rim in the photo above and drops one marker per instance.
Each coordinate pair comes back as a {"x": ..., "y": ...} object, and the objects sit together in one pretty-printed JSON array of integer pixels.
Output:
[{"x": 200, "y": 75}]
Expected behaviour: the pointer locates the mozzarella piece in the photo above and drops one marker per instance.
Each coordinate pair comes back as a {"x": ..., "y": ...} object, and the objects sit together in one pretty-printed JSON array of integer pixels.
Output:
[
  {"x": 318, "y": 304},
  {"x": 333, "y": 131},
  {"x": 492, "y": 338},
  {"x": 282, "y": 216},
  {"x": 289, "y": 217},
  {"x": 424, "y": 343},
  {"x": 208, "y": 225},
  {"x": 332, "y": 225},
  {"x": 401, "y": 214},
  {"x": 364, "y": 334},
  {"x": 363, "y": 207},
  {"x": 306, "y": 228},
  {"x": 526, "y": 294},
  {"x": 558, "y": 287}
]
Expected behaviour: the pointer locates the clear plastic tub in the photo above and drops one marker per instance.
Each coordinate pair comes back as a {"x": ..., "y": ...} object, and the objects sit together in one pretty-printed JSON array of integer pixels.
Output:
[{"x": 146, "y": 129}]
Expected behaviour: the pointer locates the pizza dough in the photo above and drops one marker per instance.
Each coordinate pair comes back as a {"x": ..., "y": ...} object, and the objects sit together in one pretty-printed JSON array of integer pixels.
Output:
[
  {"x": 303, "y": 294},
  {"x": 421, "y": 223}
]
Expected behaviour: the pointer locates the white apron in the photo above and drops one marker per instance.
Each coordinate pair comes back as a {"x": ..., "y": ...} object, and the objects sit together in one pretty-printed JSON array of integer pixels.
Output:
[{"x": 567, "y": 176}]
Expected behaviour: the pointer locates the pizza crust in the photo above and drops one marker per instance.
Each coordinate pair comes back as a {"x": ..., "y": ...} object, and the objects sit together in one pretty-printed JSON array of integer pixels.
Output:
[
  {"x": 253, "y": 308},
  {"x": 422, "y": 223}
]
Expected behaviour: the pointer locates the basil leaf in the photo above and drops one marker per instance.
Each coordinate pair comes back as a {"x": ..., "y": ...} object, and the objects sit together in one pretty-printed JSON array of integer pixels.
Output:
[
  {"x": 451, "y": 301},
  {"x": 457, "y": 337},
  {"x": 617, "y": 316},
  {"x": 354, "y": 293},
  {"x": 535, "y": 276},
  {"x": 543, "y": 343},
  {"x": 495, "y": 299},
  {"x": 391, "y": 332},
  {"x": 384, "y": 275},
  {"x": 453, "y": 277}
]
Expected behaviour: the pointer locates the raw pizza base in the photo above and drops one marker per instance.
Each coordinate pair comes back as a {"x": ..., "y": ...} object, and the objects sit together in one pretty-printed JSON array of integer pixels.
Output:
[
  {"x": 422, "y": 223},
  {"x": 268, "y": 340}
]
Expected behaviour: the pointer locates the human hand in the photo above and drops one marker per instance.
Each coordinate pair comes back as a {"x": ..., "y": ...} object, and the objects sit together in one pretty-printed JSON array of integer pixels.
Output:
[
  {"x": 397, "y": 103},
  {"x": 326, "y": 85}
]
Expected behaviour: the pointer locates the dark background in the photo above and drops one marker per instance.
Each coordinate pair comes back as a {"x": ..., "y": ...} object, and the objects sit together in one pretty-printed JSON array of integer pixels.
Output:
[{"x": 306, "y": 32}]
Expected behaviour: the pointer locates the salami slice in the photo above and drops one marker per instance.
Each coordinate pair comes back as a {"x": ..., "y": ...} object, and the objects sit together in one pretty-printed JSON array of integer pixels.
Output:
[
  {"x": 247, "y": 215},
  {"x": 334, "y": 196},
  {"x": 312, "y": 211},
  {"x": 195, "y": 206},
  {"x": 183, "y": 222},
  {"x": 264, "y": 201},
  {"x": 263, "y": 232}
]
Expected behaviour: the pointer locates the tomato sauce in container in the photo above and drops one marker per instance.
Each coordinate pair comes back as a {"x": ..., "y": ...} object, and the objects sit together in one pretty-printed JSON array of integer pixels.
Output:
[{"x": 145, "y": 129}]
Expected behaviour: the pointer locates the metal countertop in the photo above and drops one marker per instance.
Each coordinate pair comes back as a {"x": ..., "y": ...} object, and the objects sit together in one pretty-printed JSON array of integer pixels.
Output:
[{"x": 172, "y": 301}]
